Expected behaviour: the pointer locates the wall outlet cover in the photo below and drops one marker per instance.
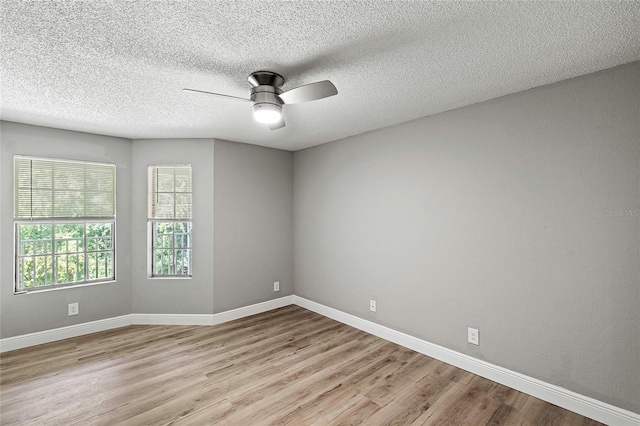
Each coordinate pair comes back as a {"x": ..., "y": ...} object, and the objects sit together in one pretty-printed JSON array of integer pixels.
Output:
[
  {"x": 473, "y": 336},
  {"x": 372, "y": 305},
  {"x": 73, "y": 309},
  {"x": 276, "y": 286}
]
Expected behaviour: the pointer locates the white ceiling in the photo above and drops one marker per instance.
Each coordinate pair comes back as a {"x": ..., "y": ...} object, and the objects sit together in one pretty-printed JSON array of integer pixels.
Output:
[{"x": 118, "y": 67}]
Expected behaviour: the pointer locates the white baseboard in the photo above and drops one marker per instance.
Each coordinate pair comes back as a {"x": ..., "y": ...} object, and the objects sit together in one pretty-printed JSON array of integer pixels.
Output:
[
  {"x": 171, "y": 319},
  {"x": 583, "y": 405},
  {"x": 247, "y": 311},
  {"x": 210, "y": 319},
  {"x": 47, "y": 336}
]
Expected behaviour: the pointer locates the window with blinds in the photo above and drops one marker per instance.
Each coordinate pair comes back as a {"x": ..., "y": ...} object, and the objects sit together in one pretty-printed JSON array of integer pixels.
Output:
[
  {"x": 170, "y": 192},
  {"x": 46, "y": 188},
  {"x": 169, "y": 221},
  {"x": 64, "y": 215}
]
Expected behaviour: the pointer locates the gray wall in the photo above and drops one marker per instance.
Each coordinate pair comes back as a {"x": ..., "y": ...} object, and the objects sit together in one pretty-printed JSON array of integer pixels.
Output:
[
  {"x": 28, "y": 313},
  {"x": 500, "y": 216},
  {"x": 174, "y": 296},
  {"x": 254, "y": 219},
  {"x": 253, "y": 224}
]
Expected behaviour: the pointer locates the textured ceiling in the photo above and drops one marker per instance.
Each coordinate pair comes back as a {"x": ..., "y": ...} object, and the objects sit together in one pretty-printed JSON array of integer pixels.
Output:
[{"x": 118, "y": 67}]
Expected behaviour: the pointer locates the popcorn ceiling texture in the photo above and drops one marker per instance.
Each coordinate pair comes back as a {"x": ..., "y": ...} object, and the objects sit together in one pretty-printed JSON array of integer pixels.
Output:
[{"x": 118, "y": 67}]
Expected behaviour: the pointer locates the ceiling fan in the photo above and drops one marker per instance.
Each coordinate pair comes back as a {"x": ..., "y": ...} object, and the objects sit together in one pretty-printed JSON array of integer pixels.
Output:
[{"x": 267, "y": 98}]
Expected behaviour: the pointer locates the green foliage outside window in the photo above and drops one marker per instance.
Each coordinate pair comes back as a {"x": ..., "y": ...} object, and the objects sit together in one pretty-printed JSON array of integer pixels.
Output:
[
  {"x": 172, "y": 248},
  {"x": 64, "y": 253}
]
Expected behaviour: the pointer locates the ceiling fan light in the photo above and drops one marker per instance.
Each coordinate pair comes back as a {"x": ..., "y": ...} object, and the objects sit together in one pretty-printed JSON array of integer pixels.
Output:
[{"x": 267, "y": 113}]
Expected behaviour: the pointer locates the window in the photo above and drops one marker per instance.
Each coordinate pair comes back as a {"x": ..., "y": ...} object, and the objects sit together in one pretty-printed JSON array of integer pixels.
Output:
[
  {"x": 169, "y": 221},
  {"x": 64, "y": 214}
]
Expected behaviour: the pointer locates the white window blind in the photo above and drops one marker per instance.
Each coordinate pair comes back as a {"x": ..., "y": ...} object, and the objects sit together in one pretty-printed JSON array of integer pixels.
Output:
[
  {"x": 47, "y": 188},
  {"x": 170, "y": 192}
]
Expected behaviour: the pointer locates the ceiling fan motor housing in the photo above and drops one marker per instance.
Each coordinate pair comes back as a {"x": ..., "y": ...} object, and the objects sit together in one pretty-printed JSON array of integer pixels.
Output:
[
  {"x": 265, "y": 91},
  {"x": 266, "y": 94}
]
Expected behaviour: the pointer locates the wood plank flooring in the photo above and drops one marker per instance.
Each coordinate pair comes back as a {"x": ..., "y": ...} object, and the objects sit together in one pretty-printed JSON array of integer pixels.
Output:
[{"x": 288, "y": 366}]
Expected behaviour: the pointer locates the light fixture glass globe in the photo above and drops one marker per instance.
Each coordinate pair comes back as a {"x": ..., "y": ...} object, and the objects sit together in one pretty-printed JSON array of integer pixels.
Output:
[{"x": 267, "y": 113}]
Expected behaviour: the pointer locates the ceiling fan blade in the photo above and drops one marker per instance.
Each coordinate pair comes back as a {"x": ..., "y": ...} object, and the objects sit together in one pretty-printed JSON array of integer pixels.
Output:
[
  {"x": 217, "y": 94},
  {"x": 277, "y": 125},
  {"x": 309, "y": 92}
]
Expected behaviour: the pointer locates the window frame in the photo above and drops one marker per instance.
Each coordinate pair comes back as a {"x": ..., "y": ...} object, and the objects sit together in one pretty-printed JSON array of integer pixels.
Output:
[
  {"x": 84, "y": 219},
  {"x": 153, "y": 221}
]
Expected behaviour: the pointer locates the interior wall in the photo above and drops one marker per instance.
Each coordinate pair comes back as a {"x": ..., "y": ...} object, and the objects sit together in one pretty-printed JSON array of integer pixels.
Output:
[
  {"x": 254, "y": 220},
  {"x": 38, "y": 311},
  {"x": 174, "y": 295},
  {"x": 253, "y": 224},
  {"x": 517, "y": 216}
]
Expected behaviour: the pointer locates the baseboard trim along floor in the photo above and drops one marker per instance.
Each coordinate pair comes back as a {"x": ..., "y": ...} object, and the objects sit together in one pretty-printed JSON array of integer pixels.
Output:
[
  {"x": 53, "y": 335},
  {"x": 210, "y": 319},
  {"x": 584, "y": 405}
]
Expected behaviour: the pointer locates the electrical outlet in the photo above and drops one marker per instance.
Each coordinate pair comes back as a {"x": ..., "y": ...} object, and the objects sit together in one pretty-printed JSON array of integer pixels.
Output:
[
  {"x": 73, "y": 309},
  {"x": 372, "y": 305},
  {"x": 276, "y": 286},
  {"x": 473, "y": 336}
]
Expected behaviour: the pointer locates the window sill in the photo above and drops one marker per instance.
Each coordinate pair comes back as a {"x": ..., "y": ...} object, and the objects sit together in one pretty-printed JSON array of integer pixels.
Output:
[
  {"x": 170, "y": 277},
  {"x": 66, "y": 287}
]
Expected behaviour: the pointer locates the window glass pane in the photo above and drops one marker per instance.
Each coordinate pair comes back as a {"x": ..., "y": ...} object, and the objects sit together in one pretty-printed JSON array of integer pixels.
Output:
[
  {"x": 183, "y": 262},
  {"x": 54, "y": 254},
  {"x": 100, "y": 265},
  {"x": 165, "y": 227},
  {"x": 69, "y": 238},
  {"x": 79, "y": 260},
  {"x": 171, "y": 248},
  {"x": 43, "y": 271},
  {"x": 96, "y": 244},
  {"x": 91, "y": 266},
  {"x": 99, "y": 230},
  {"x": 35, "y": 239},
  {"x": 103, "y": 264},
  {"x": 26, "y": 272},
  {"x": 164, "y": 262},
  {"x": 99, "y": 236},
  {"x": 69, "y": 268}
]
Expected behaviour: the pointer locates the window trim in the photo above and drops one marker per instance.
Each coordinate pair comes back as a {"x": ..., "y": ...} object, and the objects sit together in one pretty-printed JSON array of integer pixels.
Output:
[
  {"x": 53, "y": 222},
  {"x": 152, "y": 220}
]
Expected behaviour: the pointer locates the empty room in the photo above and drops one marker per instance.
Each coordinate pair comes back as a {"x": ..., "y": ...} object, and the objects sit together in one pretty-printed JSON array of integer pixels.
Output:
[{"x": 319, "y": 212}]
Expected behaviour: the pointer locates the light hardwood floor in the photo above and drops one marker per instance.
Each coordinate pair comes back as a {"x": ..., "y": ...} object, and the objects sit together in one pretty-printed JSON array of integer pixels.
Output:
[{"x": 284, "y": 367}]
